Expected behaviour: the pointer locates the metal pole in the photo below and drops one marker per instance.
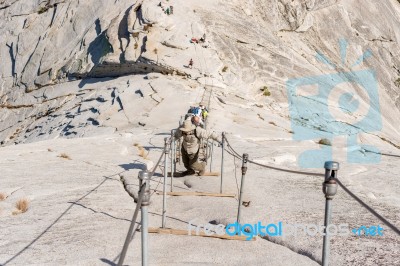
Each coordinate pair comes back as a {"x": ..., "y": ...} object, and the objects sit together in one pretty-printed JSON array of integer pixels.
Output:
[
  {"x": 329, "y": 187},
  {"x": 173, "y": 159},
  {"x": 144, "y": 215},
  {"x": 211, "y": 154},
  {"x": 165, "y": 182},
  {"x": 209, "y": 100},
  {"x": 325, "y": 246},
  {"x": 222, "y": 161},
  {"x": 179, "y": 144},
  {"x": 129, "y": 236},
  {"x": 244, "y": 170}
]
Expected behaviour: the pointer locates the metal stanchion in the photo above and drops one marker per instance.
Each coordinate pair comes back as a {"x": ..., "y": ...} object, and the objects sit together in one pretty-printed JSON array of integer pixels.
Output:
[
  {"x": 138, "y": 205},
  {"x": 204, "y": 144},
  {"x": 180, "y": 142},
  {"x": 329, "y": 187},
  {"x": 178, "y": 153},
  {"x": 244, "y": 170},
  {"x": 165, "y": 182},
  {"x": 222, "y": 161},
  {"x": 145, "y": 178},
  {"x": 173, "y": 159},
  {"x": 211, "y": 154}
]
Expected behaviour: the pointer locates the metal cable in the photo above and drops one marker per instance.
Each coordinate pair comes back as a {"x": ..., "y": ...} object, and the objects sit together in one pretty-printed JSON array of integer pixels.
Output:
[
  {"x": 384, "y": 154},
  {"x": 231, "y": 150},
  {"x": 158, "y": 183},
  {"x": 237, "y": 183},
  {"x": 272, "y": 167},
  {"x": 285, "y": 170},
  {"x": 155, "y": 167},
  {"x": 191, "y": 29},
  {"x": 228, "y": 149},
  {"x": 201, "y": 66},
  {"x": 209, "y": 97},
  {"x": 372, "y": 211},
  {"x": 159, "y": 160},
  {"x": 133, "y": 222}
]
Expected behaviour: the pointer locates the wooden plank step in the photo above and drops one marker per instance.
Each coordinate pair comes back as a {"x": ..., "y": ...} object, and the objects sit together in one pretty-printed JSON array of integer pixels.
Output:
[
  {"x": 201, "y": 194},
  {"x": 179, "y": 174},
  {"x": 171, "y": 231}
]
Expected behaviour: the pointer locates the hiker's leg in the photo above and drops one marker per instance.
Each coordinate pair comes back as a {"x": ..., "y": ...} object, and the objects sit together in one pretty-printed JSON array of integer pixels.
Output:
[
  {"x": 200, "y": 167},
  {"x": 185, "y": 158},
  {"x": 196, "y": 165}
]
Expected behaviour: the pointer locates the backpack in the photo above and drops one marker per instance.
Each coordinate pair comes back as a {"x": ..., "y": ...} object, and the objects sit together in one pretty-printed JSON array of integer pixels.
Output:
[
  {"x": 197, "y": 111},
  {"x": 190, "y": 111}
]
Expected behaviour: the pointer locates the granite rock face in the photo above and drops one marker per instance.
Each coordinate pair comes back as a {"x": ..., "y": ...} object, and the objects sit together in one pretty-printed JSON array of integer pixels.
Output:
[
  {"x": 117, "y": 72},
  {"x": 48, "y": 44},
  {"x": 260, "y": 43}
]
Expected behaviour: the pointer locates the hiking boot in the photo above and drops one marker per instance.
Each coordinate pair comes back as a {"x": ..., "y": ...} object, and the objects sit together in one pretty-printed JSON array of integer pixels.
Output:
[
  {"x": 202, "y": 172},
  {"x": 188, "y": 172}
]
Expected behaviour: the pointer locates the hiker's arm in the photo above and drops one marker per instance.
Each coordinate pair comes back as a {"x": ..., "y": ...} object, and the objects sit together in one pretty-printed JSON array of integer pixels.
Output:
[
  {"x": 215, "y": 136},
  {"x": 205, "y": 134}
]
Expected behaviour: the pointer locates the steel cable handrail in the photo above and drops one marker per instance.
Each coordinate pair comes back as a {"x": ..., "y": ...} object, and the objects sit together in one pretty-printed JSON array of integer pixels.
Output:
[
  {"x": 159, "y": 160},
  {"x": 272, "y": 167},
  {"x": 129, "y": 236},
  {"x": 154, "y": 190},
  {"x": 384, "y": 154},
  {"x": 351, "y": 194},
  {"x": 201, "y": 65},
  {"x": 372, "y": 211},
  {"x": 237, "y": 183}
]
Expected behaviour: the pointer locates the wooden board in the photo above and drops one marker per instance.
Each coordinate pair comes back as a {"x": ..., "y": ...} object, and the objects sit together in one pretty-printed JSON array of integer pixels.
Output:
[
  {"x": 201, "y": 233},
  {"x": 211, "y": 174},
  {"x": 194, "y": 193},
  {"x": 180, "y": 174}
]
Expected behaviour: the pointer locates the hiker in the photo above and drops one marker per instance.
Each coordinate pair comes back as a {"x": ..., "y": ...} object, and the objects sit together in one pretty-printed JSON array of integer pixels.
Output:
[
  {"x": 172, "y": 9},
  {"x": 192, "y": 136},
  {"x": 204, "y": 111},
  {"x": 167, "y": 11},
  {"x": 200, "y": 111},
  {"x": 191, "y": 63},
  {"x": 197, "y": 121},
  {"x": 203, "y": 39}
]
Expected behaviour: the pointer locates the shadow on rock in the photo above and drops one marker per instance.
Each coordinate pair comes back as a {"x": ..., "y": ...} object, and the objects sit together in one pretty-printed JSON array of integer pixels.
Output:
[{"x": 129, "y": 166}]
